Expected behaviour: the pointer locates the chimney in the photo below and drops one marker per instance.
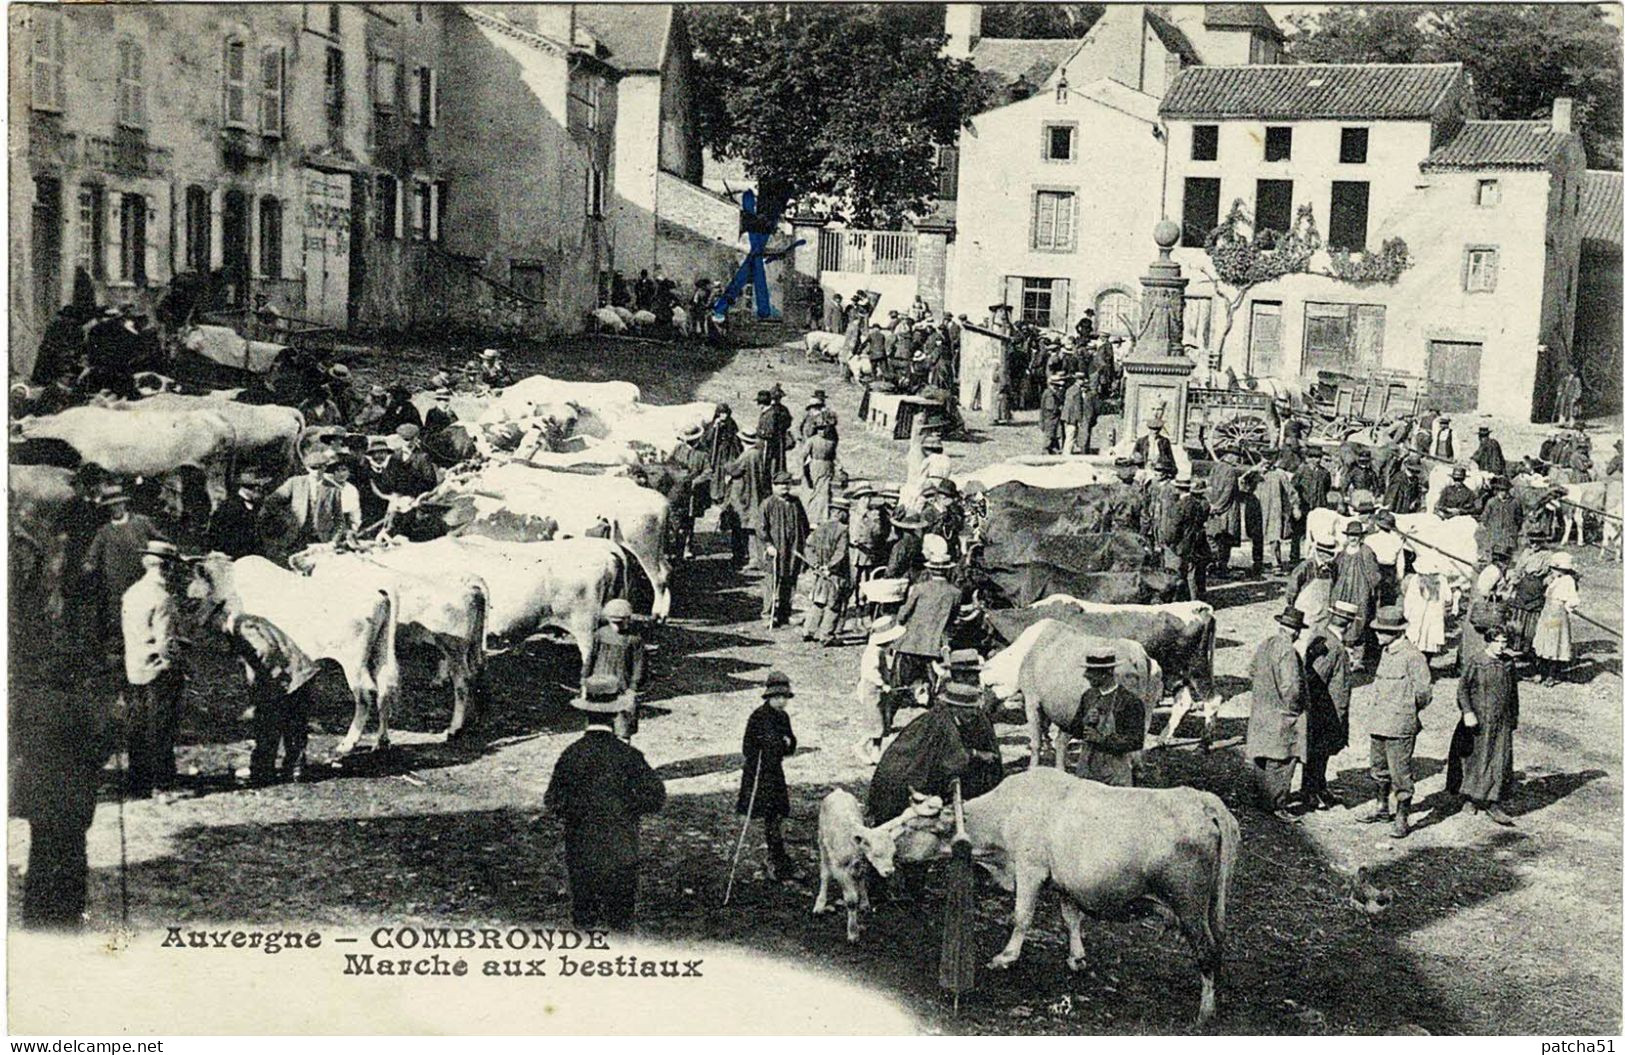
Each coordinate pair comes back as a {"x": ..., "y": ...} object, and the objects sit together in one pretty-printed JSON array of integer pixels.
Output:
[
  {"x": 963, "y": 24},
  {"x": 1562, "y": 116}
]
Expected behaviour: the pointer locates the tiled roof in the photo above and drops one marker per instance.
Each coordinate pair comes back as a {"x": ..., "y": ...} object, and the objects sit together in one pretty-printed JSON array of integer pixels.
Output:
[
  {"x": 1499, "y": 145},
  {"x": 1346, "y": 92},
  {"x": 1030, "y": 60},
  {"x": 635, "y": 34},
  {"x": 1601, "y": 214},
  {"x": 1173, "y": 38},
  {"x": 1246, "y": 16}
]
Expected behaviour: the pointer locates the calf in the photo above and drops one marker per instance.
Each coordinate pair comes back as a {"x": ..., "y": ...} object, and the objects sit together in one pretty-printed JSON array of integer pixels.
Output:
[
  {"x": 844, "y": 843},
  {"x": 821, "y": 344}
]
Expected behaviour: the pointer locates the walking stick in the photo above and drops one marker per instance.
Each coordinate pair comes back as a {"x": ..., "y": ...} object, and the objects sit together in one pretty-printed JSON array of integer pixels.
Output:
[
  {"x": 750, "y": 807},
  {"x": 123, "y": 848},
  {"x": 956, "y": 971}
]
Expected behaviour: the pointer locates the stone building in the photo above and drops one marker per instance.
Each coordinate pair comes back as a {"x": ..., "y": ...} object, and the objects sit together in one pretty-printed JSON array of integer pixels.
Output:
[{"x": 1597, "y": 315}]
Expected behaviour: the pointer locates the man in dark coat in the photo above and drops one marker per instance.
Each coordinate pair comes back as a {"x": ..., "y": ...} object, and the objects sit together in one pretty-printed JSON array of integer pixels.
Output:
[
  {"x": 763, "y": 792},
  {"x": 1502, "y": 518},
  {"x": 929, "y": 610},
  {"x": 601, "y": 786},
  {"x": 278, "y": 673},
  {"x": 1277, "y": 733},
  {"x": 618, "y": 653},
  {"x": 1224, "y": 509},
  {"x": 903, "y": 559},
  {"x": 1407, "y": 491},
  {"x": 767, "y": 431},
  {"x": 1356, "y": 579},
  {"x": 1479, "y": 767},
  {"x": 1488, "y": 457},
  {"x": 234, "y": 524},
  {"x": 1188, "y": 540},
  {"x": 781, "y": 528},
  {"x": 1326, "y": 690},
  {"x": 1457, "y": 499},
  {"x": 749, "y": 483},
  {"x": 951, "y": 739},
  {"x": 829, "y": 560},
  {"x": 1109, "y": 723},
  {"x": 1050, "y": 406},
  {"x": 410, "y": 472},
  {"x": 113, "y": 563},
  {"x": 834, "y": 316},
  {"x": 1313, "y": 482},
  {"x": 1154, "y": 450},
  {"x": 1318, "y": 565},
  {"x": 1361, "y": 476}
]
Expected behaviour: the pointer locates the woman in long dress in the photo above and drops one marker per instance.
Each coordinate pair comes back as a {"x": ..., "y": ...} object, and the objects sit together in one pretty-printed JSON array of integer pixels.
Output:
[{"x": 1554, "y": 633}]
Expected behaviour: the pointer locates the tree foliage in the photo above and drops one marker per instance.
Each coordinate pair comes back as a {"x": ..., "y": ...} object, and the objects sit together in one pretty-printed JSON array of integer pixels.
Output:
[
  {"x": 1039, "y": 21},
  {"x": 839, "y": 105},
  {"x": 1521, "y": 56}
]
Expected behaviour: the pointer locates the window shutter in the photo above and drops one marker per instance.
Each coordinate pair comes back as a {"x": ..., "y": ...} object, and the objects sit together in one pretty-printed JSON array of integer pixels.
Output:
[
  {"x": 217, "y": 237},
  {"x": 114, "y": 225},
  {"x": 434, "y": 212},
  {"x": 414, "y": 100},
  {"x": 1012, "y": 296},
  {"x": 434, "y": 97},
  {"x": 1065, "y": 218},
  {"x": 272, "y": 66},
  {"x": 1060, "y": 305},
  {"x": 1492, "y": 265},
  {"x": 400, "y": 208}
]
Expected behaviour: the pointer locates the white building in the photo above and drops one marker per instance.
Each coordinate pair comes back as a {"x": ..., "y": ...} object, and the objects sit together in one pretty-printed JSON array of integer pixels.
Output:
[{"x": 1488, "y": 210}]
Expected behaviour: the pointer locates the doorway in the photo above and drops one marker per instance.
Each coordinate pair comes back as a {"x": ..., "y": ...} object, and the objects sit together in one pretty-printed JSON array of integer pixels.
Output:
[
  {"x": 1264, "y": 339},
  {"x": 46, "y": 250},
  {"x": 234, "y": 243},
  {"x": 1453, "y": 374}
]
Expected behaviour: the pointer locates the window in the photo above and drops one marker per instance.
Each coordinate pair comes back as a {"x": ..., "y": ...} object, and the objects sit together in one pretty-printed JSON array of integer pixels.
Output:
[
  {"x": 1488, "y": 193},
  {"x": 1273, "y": 209},
  {"x": 1278, "y": 143},
  {"x": 385, "y": 73},
  {"x": 417, "y": 12},
  {"x": 423, "y": 97},
  {"x": 527, "y": 277},
  {"x": 1351, "y": 204},
  {"x": 272, "y": 64},
  {"x": 1201, "y": 210},
  {"x": 132, "y": 92},
  {"x": 1342, "y": 336},
  {"x": 92, "y": 231},
  {"x": 1058, "y": 142},
  {"x": 270, "y": 238},
  {"x": 133, "y": 239},
  {"x": 388, "y": 212},
  {"x": 1479, "y": 266},
  {"x": 1052, "y": 221},
  {"x": 583, "y": 102},
  {"x": 1038, "y": 301},
  {"x": 236, "y": 84},
  {"x": 46, "y": 83},
  {"x": 1117, "y": 313},
  {"x": 199, "y": 229},
  {"x": 1204, "y": 142},
  {"x": 595, "y": 191},
  {"x": 947, "y": 164},
  {"x": 421, "y": 198},
  {"x": 334, "y": 89},
  {"x": 1352, "y": 151}
]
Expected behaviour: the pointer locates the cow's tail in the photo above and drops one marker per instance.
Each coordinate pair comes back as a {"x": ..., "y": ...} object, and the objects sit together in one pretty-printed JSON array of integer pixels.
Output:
[
  {"x": 383, "y": 662},
  {"x": 1229, "y": 838},
  {"x": 479, "y": 610}
]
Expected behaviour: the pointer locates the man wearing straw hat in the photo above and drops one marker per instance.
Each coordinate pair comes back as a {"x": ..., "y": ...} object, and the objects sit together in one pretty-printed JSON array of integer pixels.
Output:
[
  {"x": 1402, "y": 688},
  {"x": 1327, "y": 685},
  {"x": 600, "y": 788},
  {"x": 151, "y": 624},
  {"x": 749, "y": 482},
  {"x": 875, "y": 674},
  {"x": 763, "y": 792},
  {"x": 1277, "y": 734}
]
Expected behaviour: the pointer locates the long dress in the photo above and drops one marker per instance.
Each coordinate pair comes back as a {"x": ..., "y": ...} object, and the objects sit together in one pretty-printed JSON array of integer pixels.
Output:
[
  {"x": 1480, "y": 761},
  {"x": 1554, "y": 634},
  {"x": 1424, "y": 613}
]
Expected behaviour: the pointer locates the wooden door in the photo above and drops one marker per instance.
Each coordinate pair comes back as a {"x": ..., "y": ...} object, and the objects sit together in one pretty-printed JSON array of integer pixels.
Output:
[
  {"x": 327, "y": 247},
  {"x": 1264, "y": 339},
  {"x": 1453, "y": 374}
]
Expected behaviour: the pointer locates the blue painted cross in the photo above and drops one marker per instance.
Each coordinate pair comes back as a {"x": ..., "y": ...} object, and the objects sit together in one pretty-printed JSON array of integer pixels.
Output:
[{"x": 753, "y": 269}]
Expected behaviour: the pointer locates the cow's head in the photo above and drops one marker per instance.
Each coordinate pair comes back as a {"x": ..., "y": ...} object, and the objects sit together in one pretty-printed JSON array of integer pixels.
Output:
[
  {"x": 878, "y": 845},
  {"x": 212, "y": 589},
  {"x": 922, "y": 831}
]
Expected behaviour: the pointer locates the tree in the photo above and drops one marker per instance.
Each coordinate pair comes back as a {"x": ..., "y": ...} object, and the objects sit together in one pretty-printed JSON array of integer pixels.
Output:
[
  {"x": 1243, "y": 259},
  {"x": 1521, "y": 56},
  {"x": 834, "y": 104},
  {"x": 1039, "y": 21}
]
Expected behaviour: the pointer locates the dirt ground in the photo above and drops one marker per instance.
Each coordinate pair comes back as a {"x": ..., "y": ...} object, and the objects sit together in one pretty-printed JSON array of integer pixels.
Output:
[{"x": 1492, "y": 930}]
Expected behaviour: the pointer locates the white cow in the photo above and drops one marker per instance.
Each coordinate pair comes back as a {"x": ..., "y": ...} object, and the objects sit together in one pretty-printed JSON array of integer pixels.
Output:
[
  {"x": 253, "y": 427},
  {"x": 636, "y": 515},
  {"x": 1442, "y": 547},
  {"x": 1054, "y": 474},
  {"x": 440, "y": 608},
  {"x": 844, "y": 843},
  {"x": 541, "y": 390},
  {"x": 148, "y": 444},
  {"x": 352, "y": 624},
  {"x": 649, "y": 424},
  {"x": 821, "y": 344},
  {"x": 607, "y": 320}
]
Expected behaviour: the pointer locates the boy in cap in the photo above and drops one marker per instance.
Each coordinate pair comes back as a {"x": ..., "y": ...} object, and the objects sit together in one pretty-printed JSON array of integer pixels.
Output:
[
  {"x": 150, "y": 615},
  {"x": 763, "y": 792},
  {"x": 619, "y": 653},
  {"x": 1402, "y": 688},
  {"x": 1327, "y": 686},
  {"x": 1276, "y": 731},
  {"x": 1109, "y": 722},
  {"x": 600, "y": 788},
  {"x": 1051, "y": 405},
  {"x": 781, "y": 528}
]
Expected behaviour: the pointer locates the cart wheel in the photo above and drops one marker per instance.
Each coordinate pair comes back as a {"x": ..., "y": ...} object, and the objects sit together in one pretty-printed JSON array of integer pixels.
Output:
[{"x": 1246, "y": 431}]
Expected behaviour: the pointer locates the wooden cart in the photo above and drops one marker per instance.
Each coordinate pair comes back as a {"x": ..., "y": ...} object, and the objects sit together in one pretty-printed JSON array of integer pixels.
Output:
[{"x": 1235, "y": 417}]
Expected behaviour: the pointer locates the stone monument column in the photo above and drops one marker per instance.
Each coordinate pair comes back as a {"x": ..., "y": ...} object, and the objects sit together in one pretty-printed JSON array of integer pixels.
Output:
[{"x": 1156, "y": 372}]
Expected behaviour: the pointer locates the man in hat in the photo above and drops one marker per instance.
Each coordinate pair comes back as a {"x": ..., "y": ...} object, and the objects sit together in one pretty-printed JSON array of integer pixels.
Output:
[
  {"x": 1569, "y": 391},
  {"x": 1278, "y": 510},
  {"x": 234, "y": 524},
  {"x": 876, "y": 675},
  {"x": 1327, "y": 684},
  {"x": 1407, "y": 491},
  {"x": 1109, "y": 723},
  {"x": 967, "y": 706},
  {"x": 1050, "y": 407},
  {"x": 763, "y": 791},
  {"x": 1443, "y": 444},
  {"x": 151, "y": 624},
  {"x": 1479, "y": 765},
  {"x": 748, "y": 482},
  {"x": 870, "y": 532},
  {"x": 1457, "y": 499},
  {"x": 1315, "y": 568},
  {"x": 1224, "y": 507},
  {"x": 904, "y": 559},
  {"x": 1313, "y": 482},
  {"x": 1488, "y": 457},
  {"x": 493, "y": 371},
  {"x": 828, "y": 558},
  {"x": 877, "y": 347},
  {"x": 818, "y": 471},
  {"x": 116, "y": 557},
  {"x": 1276, "y": 731},
  {"x": 600, "y": 787},
  {"x": 812, "y": 419},
  {"x": 368, "y": 477},
  {"x": 1086, "y": 326},
  {"x": 781, "y": 528},
  {"x": 317, "y": 505},
  {"x": 1402, "y": 688},
  {"x": 1188, "y": 539},
  {"x": 1383, "y": 540},
  {"x": 410, "y": 472},
  {"x": 440, "y": 417},
  {"x": 952, "y": 740},
  {"x": 1154, "y": 450},
  {"x": 835, "y": 315},
  {"x": 1361, "y": 476},
  {"x": 618, "y": 653},
  {"x": 1615, "y": 460},
  {"x": 1356, "y": 579},
  {"x": 278, "y": 673},
  {"x": 1071, "y": 413},
  {"x": 928, "y": 611},
  {"x": 782, "y": 437},
  {"x": 691, "y": 495}
]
